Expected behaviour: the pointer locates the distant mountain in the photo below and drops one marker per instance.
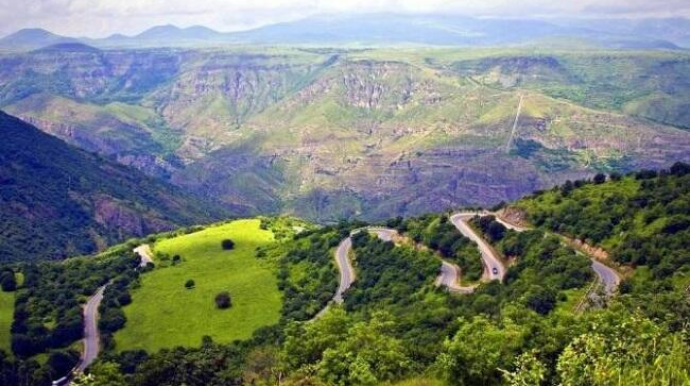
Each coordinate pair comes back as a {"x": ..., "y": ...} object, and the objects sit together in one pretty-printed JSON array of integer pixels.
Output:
[
  {"x": 386, "y": 29},
  {"x": 58, "y": 201},
  {"x": 167, "y": 35},
  {"x": 31, "y": 39},
  {"x": 397, "y": 29},
  {"x": 69, "y": 47}
]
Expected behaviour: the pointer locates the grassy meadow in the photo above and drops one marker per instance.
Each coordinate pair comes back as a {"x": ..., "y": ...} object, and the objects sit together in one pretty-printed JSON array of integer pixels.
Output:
[
  {"x": 6, "y": 315},
  {"x": 165, "y": 314}
]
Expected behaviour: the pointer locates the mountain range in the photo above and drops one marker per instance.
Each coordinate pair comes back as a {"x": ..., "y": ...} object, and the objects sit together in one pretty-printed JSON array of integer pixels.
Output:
[
  {"x": 395, "y": 29},
  {"x": 340, "y": 133}
]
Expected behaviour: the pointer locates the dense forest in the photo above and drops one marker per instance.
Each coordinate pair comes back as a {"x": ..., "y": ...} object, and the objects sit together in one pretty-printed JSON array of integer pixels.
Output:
[{"x": 396, "y": 327}]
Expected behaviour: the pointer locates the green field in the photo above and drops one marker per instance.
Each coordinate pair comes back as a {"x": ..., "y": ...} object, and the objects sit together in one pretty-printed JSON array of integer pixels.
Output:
[
  {"x": 6, "y": 315},
  {"x": 165, "y": 314}
]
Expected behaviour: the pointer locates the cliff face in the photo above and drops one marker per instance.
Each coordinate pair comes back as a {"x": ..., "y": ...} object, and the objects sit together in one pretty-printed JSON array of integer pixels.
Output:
[{"x": 331, "y": 134}]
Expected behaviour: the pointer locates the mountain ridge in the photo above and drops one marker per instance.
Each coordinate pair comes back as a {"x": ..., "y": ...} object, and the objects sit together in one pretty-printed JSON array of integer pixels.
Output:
[
  {"x": 60, "y": 201},
  {"x": 393, "y": 29}
]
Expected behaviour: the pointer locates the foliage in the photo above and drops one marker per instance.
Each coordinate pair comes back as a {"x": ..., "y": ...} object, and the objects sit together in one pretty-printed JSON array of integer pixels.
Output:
[
  {"x": 67, "y": 196},
  {"x": 48, "y": 312},
  {"x": 307, "y": 274},
  {"x": 223, "y": 300},
  {"x": 641, "y": 219},
  {"x": 227, "y": 244},
  {"x": 438, "y": 233}
]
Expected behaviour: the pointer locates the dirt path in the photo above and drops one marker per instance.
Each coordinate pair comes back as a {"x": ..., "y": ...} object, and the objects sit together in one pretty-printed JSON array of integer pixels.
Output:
[
  {"x": 515, "y": 124},
  {"x": 144, "y": 251}
]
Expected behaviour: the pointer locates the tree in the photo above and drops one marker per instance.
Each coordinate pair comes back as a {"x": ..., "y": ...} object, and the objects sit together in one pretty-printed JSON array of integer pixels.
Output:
[
  {"x": 223, "y": 300},
  {"x": 369, "y": 355},
  {"x": 478, "y": 350},
  {"x": 599, "y": 178},
  {"x": 61, "y": 362},
  {"x": 176, "y": 259},
  {"x": 101, "y": 374},
  {"x": 8, "y": 282},
  {"x": 227, "y": 244},
  {"x": 529, "y": 371},
  {"x": 189, "y": 284}
]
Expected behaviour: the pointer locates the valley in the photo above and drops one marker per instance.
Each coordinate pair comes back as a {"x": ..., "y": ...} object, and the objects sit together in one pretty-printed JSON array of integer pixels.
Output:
[
  {"x": 329, "y": 134},
  {"x": 181, "y": 208}
]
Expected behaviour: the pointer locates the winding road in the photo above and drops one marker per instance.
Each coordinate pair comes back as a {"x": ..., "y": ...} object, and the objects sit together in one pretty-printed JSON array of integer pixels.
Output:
[
  {"x": 493, "y": 267},
  {"x": 347, "y": 272},
  {"x": 608, "y": 277}
]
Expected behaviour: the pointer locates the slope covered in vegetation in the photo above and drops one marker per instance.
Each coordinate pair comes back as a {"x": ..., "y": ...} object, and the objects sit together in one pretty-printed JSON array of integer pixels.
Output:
[{"x": 58, "y": 201}]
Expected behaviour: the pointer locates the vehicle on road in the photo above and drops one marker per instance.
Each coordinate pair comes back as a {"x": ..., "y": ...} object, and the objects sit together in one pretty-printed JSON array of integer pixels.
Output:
[{"x": 494, "y": 270}]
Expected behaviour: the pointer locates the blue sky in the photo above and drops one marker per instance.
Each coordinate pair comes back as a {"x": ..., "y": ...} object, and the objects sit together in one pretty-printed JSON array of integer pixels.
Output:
[{"x": 98, "y": 18}]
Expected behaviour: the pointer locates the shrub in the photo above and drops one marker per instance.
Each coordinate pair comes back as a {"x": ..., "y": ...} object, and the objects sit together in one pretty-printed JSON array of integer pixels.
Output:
[
  {"x": 223, "y": 300},
  {"x": 189, "y": 284},
  {"x": 228, "y": 244},
  {"x": 599, "y": 178},
  {"x": 8, "y": 281},
  {"x": 176, "y": 259}
]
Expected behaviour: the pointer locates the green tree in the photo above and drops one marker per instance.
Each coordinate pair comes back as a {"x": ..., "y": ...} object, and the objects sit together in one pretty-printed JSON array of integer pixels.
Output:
[
  {"x": 476, "y": 352},
  {"x": 368, "y": 356},
  {"x": 529, "y": 371}
]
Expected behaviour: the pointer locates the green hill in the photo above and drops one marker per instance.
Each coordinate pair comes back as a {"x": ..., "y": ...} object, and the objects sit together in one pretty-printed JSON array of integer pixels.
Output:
[
  {"x": 164, "y": 313},
  {"x": 59, "y": 201}
]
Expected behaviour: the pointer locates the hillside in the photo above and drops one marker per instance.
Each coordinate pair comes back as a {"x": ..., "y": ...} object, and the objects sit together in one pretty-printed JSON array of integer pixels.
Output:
[
  {"x": 165, "y": 314},
  {"x": 332, "y": 133},
  {"x": 543, "y": 323},
  {"x": 59, "y": 201}
]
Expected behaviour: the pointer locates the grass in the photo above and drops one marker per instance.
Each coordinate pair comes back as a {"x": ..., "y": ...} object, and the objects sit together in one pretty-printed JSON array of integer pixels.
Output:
[
  {"x": 6, "y": 315},
  {"x": 164, "y": 314}
]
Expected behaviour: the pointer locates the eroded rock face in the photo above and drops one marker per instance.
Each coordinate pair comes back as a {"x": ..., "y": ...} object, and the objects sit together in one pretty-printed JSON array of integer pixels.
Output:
[
  {"x": 116, "y": 216},
  {"x": 325, "y": 135}
]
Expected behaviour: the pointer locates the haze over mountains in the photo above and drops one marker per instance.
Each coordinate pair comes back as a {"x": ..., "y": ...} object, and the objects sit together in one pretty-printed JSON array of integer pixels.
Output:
[{"x": 396, "y": 29}]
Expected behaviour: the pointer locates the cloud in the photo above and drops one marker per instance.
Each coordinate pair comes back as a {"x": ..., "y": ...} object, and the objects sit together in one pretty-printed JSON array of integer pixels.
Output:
[{"x": 103, "y": 17}]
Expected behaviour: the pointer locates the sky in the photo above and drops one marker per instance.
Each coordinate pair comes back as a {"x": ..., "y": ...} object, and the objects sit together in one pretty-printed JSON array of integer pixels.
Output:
[{"x": 100, "y": 18}]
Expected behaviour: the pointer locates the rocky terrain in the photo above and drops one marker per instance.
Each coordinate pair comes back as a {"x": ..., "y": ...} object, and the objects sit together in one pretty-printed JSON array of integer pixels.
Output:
[{"x": 336, "y": 133}]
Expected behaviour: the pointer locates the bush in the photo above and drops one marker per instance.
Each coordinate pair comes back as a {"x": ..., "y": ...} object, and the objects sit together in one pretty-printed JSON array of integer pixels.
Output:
[
  {"x": 61, "y": 362},
  {"x": 223, "y": 300},
  {"x": 227, "y": 244},
  {"x": 189, "y": 284},
  {"x": 176, "y": 259},
  {"x": 8, "y": 283},
  {"x": 599, "y": 178}
]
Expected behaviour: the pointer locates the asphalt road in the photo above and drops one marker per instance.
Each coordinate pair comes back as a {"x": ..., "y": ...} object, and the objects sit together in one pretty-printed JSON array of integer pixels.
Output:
[
  {"x": 92, "y": 339},
  {"x": 493, "y": 267},
  {"x": 347, "y": 272},
  {"x": 608, "y": 277},
  {"x": 449, "y": 276}
]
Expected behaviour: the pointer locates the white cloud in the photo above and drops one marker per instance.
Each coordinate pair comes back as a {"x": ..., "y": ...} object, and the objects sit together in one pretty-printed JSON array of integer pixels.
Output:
[{"x": 103, "y": 17}]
